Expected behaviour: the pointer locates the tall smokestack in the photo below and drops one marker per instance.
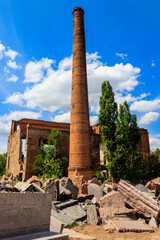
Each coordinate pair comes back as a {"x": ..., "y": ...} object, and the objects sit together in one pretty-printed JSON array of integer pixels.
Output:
[{"x": 80, "y": 152}]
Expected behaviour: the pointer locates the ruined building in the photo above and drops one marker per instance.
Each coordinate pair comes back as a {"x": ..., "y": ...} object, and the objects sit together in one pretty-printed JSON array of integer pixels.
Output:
[
  {"x": 27, "y": 135},
  {"x": 80, "y": 141}
]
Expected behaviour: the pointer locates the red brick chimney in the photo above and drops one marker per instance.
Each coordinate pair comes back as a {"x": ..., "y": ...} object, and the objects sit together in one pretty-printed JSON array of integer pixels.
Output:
[{"x": 80, "y": 154}]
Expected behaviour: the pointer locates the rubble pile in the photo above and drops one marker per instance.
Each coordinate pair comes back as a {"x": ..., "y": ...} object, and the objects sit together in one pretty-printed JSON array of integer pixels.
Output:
[{"x": 122, "y": 207}]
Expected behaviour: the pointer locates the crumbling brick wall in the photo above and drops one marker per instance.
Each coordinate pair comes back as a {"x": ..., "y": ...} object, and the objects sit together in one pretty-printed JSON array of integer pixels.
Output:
[
  {"x": 14, "y": 152},
  {"x": 24, "y": 213}
]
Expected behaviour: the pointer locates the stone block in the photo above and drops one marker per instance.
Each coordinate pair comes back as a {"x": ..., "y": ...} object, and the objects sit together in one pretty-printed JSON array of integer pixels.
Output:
[
  {"x": 131, "y": 226},
  {"x": 95, "y": 181},
  {"x": 94, "y": 189},
  {"x": 67, "y": 183},
  {"x": 111, "y": 204},
  {"x": 62, "y": 218},
  {"x": 53, "y": 189},
  {"x": 92, "y": 216},
  {"x": 153, "y": 223},
  {"x": 74, "y": 212},
  {"x": 56, "y": 225}
]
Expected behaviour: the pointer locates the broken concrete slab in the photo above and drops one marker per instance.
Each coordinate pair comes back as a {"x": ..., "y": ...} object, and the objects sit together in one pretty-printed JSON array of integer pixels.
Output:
[
  {"x": 36, "y": 180},
  {"x": 39, "y": 189},
  {"x": 74, "y": 212},
  {"x": 92, "y": 216},
  {"x": 53, "y": 189},
  {"x": 95, "y": 181},
  {"x": 151, "y": 184},
  {"x": 66, "y": 203},
  {"x": 64, "y": 193},
  {"x": 111, "y": 204},
  {"x": 62, "y": 218},
  {"x": 94, "y": 189},
  {"x": 130, "y": 226},
  {"x": 94, "y": 200},
  {"x": 55, "y": 225},
  {"x": 67, "y": 183},
  {"x": 153, "y": 223},
  {"x": 108, "y": 226},
  {"x": 23, "y": 186},
  {"x": 136, "y": 199}
]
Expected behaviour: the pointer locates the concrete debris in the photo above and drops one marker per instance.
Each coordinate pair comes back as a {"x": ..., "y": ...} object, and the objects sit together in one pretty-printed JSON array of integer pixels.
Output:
[
  {"x": 55, "y": 225},
  {"x": 153, "y": 223},
  {"x": 64, "y": 193},
  {"x": 95, "y": 181},
  {"x": 53, "y": 189},
  {"x": 152, "y": 183},
  {"x": 63, "y": 219},
  {"x": 97, "y": 191},
  {"x": 136, "y": 199},
  {"x": 68, "y": 211},
  {"x": 142, "y": 188},
  {"x": 130, "y": 226},
  {"x": 67, "y": 183},
  {"x": 95, "y": 201},
  {"x": 92, "y": 216},
  {"x": 111, "y": 204},
  {"x": 36, "y": 180}
]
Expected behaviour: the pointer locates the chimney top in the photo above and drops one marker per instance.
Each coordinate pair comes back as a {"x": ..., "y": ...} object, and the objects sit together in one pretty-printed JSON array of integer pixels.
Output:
[{"x": 78, "y": 9}]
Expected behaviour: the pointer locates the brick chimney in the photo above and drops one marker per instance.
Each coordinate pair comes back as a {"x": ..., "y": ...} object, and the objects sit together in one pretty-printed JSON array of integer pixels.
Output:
[{"x": 80, "y": 152}]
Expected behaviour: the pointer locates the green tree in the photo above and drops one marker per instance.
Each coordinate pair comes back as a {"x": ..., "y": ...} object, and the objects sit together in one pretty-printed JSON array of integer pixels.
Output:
[
  {"x": 107, "y": 119},
  {"x": 3, "y": 158},
  {"x": 127, "y": 138},
  {"x": 50, "y": 161}
]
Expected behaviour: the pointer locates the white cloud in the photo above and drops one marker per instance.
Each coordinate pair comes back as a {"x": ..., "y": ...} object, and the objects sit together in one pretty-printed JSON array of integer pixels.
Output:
[
  {"x": 4, "y": 128},
  {"x": 53, "y": 93},
  {"x": 2, "y": 48},
  {"x": 3, "y": 145},
  {"x": 153, "y": 63},
  {"x": 121, "y": 55},
  {"x": 145, "y": 106},
  {"x": 120, "y": 98},
  {"x": 6, "y": 70},
  {"x": 15, "y": 98},
  {"x": 154, "y": 143},
  {"x": 5, "y": 121},
  {"x": 149, "y": 117},
  {"x": 93, "y": 120},
  {"x": 11, "y": 53},
  {"x": 65, "y": 117},
  {"x": 65, "y": 64},
  {"x": 35, "y": 71},
  {"x": 13, "y": 64},
  {"x": 17, "y": 115},
  {"x": 13, "y": 78}
]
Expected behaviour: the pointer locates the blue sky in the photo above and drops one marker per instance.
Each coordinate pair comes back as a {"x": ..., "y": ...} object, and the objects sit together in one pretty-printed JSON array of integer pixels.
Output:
[{"x": 122, "y": 45}]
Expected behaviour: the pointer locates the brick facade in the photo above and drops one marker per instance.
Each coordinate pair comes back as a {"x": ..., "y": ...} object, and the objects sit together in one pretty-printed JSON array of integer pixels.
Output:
[{"x": 35, "y": 131}]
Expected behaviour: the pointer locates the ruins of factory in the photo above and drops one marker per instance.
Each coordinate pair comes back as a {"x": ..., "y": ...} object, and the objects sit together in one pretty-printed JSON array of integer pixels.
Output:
[
  {"x": 27, "y": 135},
  {"x": 80, "y": 141}
]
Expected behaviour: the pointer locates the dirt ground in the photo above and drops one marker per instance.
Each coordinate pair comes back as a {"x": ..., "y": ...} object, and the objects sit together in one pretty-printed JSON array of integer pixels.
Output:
[{"x": 100, "y": 234}]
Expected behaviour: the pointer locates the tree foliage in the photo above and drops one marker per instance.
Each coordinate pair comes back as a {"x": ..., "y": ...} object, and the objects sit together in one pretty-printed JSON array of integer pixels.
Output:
[
  {"x": 120, "y": 134},
  {"x": 50, "y": 161},
  {"x": 107, "y": 118},
  {"x": 3, "y": 158}
]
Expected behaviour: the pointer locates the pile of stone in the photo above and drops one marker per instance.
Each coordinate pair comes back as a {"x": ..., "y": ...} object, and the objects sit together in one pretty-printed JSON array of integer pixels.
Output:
[{"x": 121, "y": 207}]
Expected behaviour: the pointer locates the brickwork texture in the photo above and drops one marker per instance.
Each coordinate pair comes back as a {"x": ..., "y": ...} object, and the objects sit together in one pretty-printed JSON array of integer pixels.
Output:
[{"x": 24, "y": 213}]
